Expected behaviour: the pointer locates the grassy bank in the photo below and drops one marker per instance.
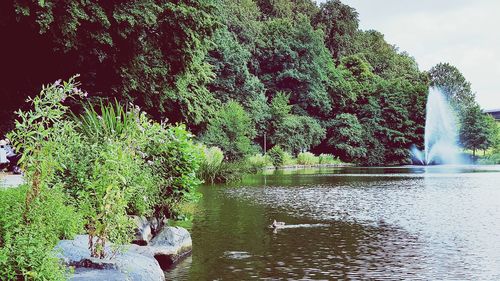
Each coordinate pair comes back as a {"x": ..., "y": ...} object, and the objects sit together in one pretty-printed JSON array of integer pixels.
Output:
[{"x": 214, "y": 168}]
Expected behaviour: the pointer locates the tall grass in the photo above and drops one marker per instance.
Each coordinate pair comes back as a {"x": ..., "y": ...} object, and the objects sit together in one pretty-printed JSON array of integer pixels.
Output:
[
  {"x": 211, "y": 165},
  {"x": 307, "y": 158},
  {"x": 328, "y": 159},
  {"x": 110, "y": 120}
]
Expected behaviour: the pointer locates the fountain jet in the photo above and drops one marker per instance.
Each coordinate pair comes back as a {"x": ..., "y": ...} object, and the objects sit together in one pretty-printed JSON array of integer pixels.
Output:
[
  {"x": 441, "y": 137},
  {"x": 441, "y": 133}
]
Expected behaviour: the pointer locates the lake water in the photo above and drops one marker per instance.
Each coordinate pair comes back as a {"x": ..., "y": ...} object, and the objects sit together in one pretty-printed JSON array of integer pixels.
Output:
[{"x": 376, "y": 223}]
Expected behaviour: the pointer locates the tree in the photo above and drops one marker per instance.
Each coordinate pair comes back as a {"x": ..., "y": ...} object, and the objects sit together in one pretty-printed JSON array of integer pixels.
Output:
[
  {"x": 293, "y": 133},
  {"x": 474, "y": 129},
  {"x": 493, "y": 133},
  {"x": 149, "y": 52},
  {"x": 453, "y": 84},
  {"x": 385, "y": 59},
  {"x": 287, "y": 8},
  {"x": 291, "y": 57},
  {"x": 339, "y": 23},
  {"x": 297, "y": 133},
  {"x": 232, "y": 130},
  {"x": 233, "y": 80},
  {"x": 346, "y": 136}
]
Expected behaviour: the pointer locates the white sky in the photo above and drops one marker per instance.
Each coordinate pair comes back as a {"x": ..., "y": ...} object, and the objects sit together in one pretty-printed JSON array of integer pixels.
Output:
[{"x": 465, "y": 33}]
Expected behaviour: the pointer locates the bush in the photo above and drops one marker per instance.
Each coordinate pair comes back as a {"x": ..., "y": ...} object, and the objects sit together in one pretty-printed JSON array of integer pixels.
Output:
[
  {"x": 493, "y": 159},
  {"x": 258, "y": 162},
  {"x": 211, "y": 164},
  {"x": 28, "y": 235},
  {"x": 110, "y": 164},
  {"x": 307, "y": 158},
  {"x": 232, "y": 130},
  {"x": 328, "y": 159},
  {"x": 277, "y": 155},
  {"x": 288, "y": 159}
]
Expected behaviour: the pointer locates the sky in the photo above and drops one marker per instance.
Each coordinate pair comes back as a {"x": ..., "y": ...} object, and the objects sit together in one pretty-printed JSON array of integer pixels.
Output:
[{"x": 464, "y": 33}]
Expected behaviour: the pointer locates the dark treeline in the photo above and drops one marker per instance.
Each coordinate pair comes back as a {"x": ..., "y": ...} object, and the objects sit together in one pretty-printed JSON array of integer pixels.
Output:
[{"x": 296, "y": 74}]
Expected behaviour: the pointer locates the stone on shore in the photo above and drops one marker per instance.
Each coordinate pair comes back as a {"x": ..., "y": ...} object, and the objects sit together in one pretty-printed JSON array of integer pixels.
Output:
[
  {"x": 171, "y": 244},
  {"x": 143, "y": 232},
  {"x": 135, "y": 263}
]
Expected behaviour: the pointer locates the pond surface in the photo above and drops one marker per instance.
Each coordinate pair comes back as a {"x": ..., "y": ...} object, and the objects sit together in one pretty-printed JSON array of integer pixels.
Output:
[{"x": 376, "y": 223}]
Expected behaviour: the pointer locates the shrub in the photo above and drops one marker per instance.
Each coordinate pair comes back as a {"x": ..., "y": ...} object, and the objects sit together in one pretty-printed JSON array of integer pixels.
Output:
[
  {"x": 307, "y": 158},
  {"x": 174, "y": 159},
  {"x": 28, "y": 236},
  {"x": 288, "y": 159},
  {"x": 493, "y": 159},
  {"x": 110, "y": 165},
  {"x": 277, "y": 155},
  {"x": 232, "y": 130},
  {"x": 328, "y": 159},
  {"x": 211, "y": 164},
  {"x": 258, "y": 162}
]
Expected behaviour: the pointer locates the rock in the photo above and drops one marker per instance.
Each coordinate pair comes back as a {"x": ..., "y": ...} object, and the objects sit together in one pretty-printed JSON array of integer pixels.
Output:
[
  {"x": 143, "y": 232},
  {"x": 136, "y": 263},
  {"x": 84, "y": 274},
  {"x": 170, "y": 245}
]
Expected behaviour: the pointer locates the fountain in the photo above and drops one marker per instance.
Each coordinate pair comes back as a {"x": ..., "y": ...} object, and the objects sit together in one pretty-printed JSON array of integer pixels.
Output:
[{"x": 441, "y": 138}]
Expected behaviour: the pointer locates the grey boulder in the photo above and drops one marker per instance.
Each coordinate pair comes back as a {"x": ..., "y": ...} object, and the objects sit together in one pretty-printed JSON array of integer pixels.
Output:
[
  {"x": 171, "y": 244},
  {"x": 132, "y": 263},
  {"x": 143, "y": 232}
]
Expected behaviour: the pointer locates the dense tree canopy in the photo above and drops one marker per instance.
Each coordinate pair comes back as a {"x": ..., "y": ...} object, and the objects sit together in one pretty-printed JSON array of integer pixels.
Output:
[{"x": 298, "y": 74}]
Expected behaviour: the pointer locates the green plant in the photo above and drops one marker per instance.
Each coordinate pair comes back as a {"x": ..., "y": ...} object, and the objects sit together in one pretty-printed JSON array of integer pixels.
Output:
[
  {"x": 232, "y": 130},
  {"x": 26, "y": 249},
  {"x": 328, "y": 159},
  {"x": 258, "y": 162},
  {"x": 112, "y": 162},
  {"x": 277, "y": 155},
  {"x": 288, "y": 159},
  {"x": 110, "y": 121},
  {"x": 174, "y": 159},
  {"x": 211, "y": 164},
  {"x": 307, "y": 158}
]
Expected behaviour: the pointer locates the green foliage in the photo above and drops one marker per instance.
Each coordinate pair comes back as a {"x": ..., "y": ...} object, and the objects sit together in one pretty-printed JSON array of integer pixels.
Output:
[
  {"x": 475, "y": 129},
  {"x": 229, "y": 60},
  {"x": 110, "y": 164},
  {"x": 346, "y": 136},
  {"x": 297, "y": 133},
  {"x": 29, "y": 235},
  {"x": 292, "y": 58},
  {"x": 277, "y": 156},
  {"x": 307, "y": 158},
  {"x": 384, "y": 58},
  {"x": 325, "y": 158},
  {"x": 493, "y": 159},
  {"x": 292, "y": 132},
  {"x": 174, "y": 159},
  {"x": 258, "y": 162},
  {"x": 149, "y": 52},
  {"x": 113, "y": 120},
  {"x": 288, "y": 159},
  {"x": 211, "y": 164},
  {"x": 232, "y": 130},
  {"x": 451, "y": 81},
  {"x": 339, "y": 22}
]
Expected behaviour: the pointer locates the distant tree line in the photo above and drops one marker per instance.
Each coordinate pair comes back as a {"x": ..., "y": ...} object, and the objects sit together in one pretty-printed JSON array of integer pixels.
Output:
[{"x": 239, "y": 73}]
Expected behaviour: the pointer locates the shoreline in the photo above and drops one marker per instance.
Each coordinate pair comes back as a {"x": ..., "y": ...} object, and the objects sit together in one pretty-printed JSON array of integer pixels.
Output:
[{"x": 290, "y": 167}]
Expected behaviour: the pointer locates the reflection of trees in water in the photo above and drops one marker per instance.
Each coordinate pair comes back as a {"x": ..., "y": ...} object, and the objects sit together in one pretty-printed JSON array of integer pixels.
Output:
[{"x": 342, "y": 250}]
